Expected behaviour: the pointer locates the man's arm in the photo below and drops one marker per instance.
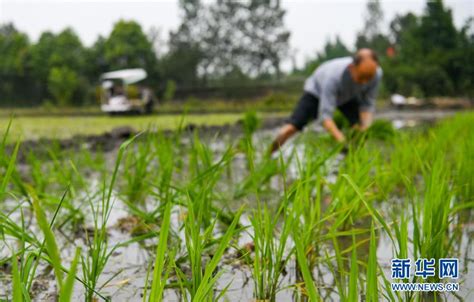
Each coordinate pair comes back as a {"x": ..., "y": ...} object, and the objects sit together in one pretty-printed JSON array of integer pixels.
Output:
[
  {"x": 327, "y": 107},
  {"x": 366, "y": 118},
  {"x": 332, "y": 128}
]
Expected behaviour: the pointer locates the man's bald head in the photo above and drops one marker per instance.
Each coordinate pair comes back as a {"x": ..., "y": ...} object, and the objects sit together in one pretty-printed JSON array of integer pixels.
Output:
[
  {"x": 363, "y": 54},
  {"x": 364, "y": 66}
]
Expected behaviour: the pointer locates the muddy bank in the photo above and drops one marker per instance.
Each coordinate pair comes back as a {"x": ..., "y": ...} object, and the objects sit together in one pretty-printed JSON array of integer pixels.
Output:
[{"x": 111, "y": 140}]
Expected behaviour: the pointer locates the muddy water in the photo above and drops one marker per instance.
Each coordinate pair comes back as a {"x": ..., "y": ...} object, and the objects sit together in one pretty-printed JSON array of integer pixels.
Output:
[{"x": 129, "y": 264}]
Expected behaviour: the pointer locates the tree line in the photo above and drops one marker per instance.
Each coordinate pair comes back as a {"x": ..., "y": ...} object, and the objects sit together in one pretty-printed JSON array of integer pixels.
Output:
[{"x": 229, "y": 43}]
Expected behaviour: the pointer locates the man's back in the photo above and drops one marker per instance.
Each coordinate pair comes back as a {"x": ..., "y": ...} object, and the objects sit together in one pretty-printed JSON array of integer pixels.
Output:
[
  {"x": 329, "y": 72},
  {"x": 333, "y": 85}
]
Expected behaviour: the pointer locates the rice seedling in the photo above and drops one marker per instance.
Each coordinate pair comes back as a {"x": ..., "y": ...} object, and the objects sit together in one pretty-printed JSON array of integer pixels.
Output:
[
  {"x": 68, "y": 284},
  {"x": 98, "y": 254},
  {"x": 381, "y": 130},
  {"x": 8, "y": 161},
  {"x": 205, "y": 290},
  {"x": 200, "y": 286},
  {"x": 22, "y": 281},
  {"x": 159, "y": 279},
  {"x": 50, "y": 241},
  {"x": 257, "y": 179},
  {"x": 271, "y": 252},
  {"x": 319, "y": 223},
  {"x": 151, "y": 184},
  {"x": 353, "y": 292},
  {"x": 310, "y": 289},
  {"x": 399, "y": 164},
  {"x": 250, "y": 124},
  {"x": 16, "y": 285},
  {"x": 372, "y": 286},
  {"x": 137, "y": 174},
  {"x": 308, "y": 229},
  {"x": 432, "y": 225},
  {"x": 344, "y": 196}
]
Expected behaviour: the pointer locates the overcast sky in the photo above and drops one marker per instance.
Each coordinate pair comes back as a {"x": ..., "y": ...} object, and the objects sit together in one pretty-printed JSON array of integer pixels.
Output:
[{"x": 311, "y": 22}]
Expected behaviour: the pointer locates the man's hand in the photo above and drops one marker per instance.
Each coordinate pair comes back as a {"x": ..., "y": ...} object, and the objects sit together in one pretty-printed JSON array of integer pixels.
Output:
[{"x": 331, "y": 127}]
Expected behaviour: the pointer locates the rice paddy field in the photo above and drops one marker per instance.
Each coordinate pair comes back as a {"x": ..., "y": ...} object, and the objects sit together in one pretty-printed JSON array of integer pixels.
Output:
[
  {"x": 188, "y": 216},
  {"x": 64, "y": 127}
]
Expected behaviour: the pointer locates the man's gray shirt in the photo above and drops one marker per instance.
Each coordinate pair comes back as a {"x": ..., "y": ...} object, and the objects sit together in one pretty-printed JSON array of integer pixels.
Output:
[{"x": 333, "y": 85}]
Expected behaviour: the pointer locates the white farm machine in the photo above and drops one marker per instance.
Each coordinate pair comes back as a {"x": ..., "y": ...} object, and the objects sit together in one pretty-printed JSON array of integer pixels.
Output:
[{"x": 121, "y": 92}]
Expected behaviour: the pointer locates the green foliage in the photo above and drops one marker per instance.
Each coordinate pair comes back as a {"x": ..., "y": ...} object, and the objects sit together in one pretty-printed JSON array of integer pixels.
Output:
[
  {"x": 227, "y": 37},
  {"x": 15, "y": 49},
  {"x": 276, "y": 99},
  {"x": 61, "y": 50},
  {"x": 51, "y": 244},
  {"x": 251, "y": 123},
  {"x": 16, "y": 282},
  {"x": 98, "y": 254},
  {"x": 371, "y": 290},
  {"x": 353, "y": 292},
  {"x": 128, "y": 46},
  {"x": 170, "y": 90},
  {"x": 437, "y": 28},
  {"x": 8, "y": 160},
  {"x": 66, "y": 285},
  {"x": 57, "y": 63},
  {"x": 180, "y": 64},
  {"x": 210, "y": 277},
  {"x": 428, "y": 57},
  {"x": 340, "y": 120},
  {"x": 62, "y": 82},
  {"x": 15, "y": 85},
  {"x": 270, "y": 256},
  {"x": 226, "y": 44},
  {"x": 381, "y": 129},
  {"x": 159, "y": 279},
  {"x": 66, "y": 293},
  {"x": 310, "y": 286}
]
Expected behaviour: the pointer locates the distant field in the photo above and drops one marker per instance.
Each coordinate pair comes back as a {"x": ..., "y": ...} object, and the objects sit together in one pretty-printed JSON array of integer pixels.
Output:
[
  {"x": 272, "y": 103},
  {"x": 60, "y": 127}
]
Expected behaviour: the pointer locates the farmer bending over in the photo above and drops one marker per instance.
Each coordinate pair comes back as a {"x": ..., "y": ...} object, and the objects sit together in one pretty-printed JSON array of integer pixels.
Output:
[{"x": 349, "y": 84}]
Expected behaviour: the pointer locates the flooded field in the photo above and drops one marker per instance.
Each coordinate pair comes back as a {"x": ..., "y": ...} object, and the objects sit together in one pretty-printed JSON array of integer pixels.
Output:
[{"x": 196, "y": 215}]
